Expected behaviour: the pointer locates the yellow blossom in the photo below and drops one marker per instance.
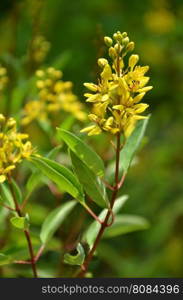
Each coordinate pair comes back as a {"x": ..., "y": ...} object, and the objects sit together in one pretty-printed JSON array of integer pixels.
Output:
[
  {"x": 3, "y": 78},
  {"x": 54, "y": 95},
  {"x": 14, "y": 147},
  {"x": 115, "y": 99}
]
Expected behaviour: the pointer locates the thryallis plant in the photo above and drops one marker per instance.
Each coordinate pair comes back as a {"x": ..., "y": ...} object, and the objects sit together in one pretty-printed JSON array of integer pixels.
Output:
[{"x": 116, "y": 112}]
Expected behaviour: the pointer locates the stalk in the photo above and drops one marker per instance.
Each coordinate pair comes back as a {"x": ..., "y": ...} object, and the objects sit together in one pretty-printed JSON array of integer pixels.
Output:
[
  {"x": 104, "y": 225},
  {"x": 26, "y": 231}
]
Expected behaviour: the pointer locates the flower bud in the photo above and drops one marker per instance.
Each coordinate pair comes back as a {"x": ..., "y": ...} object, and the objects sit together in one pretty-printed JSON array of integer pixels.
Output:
[
  {"x": 133, "y": 60},
  {"x": 112, "y": 53},
  {"x": 124, "y": 35},
  {"x": 102, "y": 62},
  {"x": 40, "y": 73},
  {"x": 118, "y": 48},
  {"x": 125, "y": 41},
  {"x": 108, "y": 41},
  {"x": 130, "y": 46}
]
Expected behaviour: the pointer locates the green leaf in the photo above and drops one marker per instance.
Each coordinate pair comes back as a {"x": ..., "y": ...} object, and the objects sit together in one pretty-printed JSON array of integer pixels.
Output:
[
  {"x": 60, "y": 175},
  {"x": 132, "y": 144},
  {"x": 92, "y": 231},
  {"x": 83, "y": 151},
  {"x": 18, "y": 193},
  {"x": 124, "y": 224},
  {"x": 92, "y": 184},
  {"x": 5, "y": 259},
  {"x": 19, "y": 222},
  {"x": 119, "y": 203},
  {"x": 6, "y": 195},
  {"x": 37, "y": 178},
  {"x": 77, "y": 259},
  {"x": 54, "y": 220}
]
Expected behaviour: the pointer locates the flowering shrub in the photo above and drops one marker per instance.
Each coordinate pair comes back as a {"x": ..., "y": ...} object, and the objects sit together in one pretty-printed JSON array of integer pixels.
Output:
[{"x": 117, "y": 112}]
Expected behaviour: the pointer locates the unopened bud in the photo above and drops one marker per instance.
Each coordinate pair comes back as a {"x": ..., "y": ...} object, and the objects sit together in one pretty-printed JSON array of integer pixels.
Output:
[
  {"x": 133, "y": 60},
  {"x": 125, "y": 41},
  {"x": 112, "y": 53},
  {"x": 108, "y": 41},
  {"x": 130, "y": 46},
  {"x": 118, "y": 48},
  {"x": 40, "y": 73},
  {"x": 102, "y": 62},
  {"x": 124, "y": 35}
]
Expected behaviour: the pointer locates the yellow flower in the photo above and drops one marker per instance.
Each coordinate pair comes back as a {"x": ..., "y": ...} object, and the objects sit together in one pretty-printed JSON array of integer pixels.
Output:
[
  {"x": 14, "y": 147},
  {"x": 54, "y": 95},
  {"x": 115, "y": 99},
  {"x": 3, "y": 78}
]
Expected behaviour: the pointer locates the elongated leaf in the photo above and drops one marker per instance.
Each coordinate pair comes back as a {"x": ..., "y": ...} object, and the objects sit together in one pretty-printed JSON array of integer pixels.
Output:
[
  {"x": 6, "y": 195},
  {"x": 132, "y": 144},
  {"x": 54, "y": 220},
  {"x": 91, "y": 183},
  {"x": 119, "y": 203},
  {"x": 37, "y": 178},
  {"x": 124, "y": 224},
  {"x": 61, "y": 176},
  {"x": 17, "y": 191},
  {"x": 93, "y": 230},
  {"x": 83, "y": 151},
  {"x": 77, "y": 259}
]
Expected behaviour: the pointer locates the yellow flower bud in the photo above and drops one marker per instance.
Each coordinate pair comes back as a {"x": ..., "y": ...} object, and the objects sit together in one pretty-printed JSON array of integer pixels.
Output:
[
  {"x": 133, "y": 60},
  {"x": 40, "y": 73},
  {"x": 108, "y": 41},
  {"x": 102, "y": 62},
  {"x": 130, "y": 46},
  {"x": 112, "y": 53},
  {"x": 124, "y": 34},
  {"x": 40, "y": 84},
  {"x": 125, "y": 41}
]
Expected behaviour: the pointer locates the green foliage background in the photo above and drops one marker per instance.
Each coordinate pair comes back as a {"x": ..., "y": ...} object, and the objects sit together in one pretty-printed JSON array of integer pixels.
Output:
[{"x": 154, "y": 184}]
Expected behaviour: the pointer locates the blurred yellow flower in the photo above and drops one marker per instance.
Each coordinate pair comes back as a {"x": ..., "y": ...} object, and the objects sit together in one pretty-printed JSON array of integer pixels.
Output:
[
  {"x": 116, "y": 97},
  {"x": 3, "y": 78},
  {"x": 160, "y": 20},
  {"x": 14, "y": 147},
  {"x": 54, "y": 95}
]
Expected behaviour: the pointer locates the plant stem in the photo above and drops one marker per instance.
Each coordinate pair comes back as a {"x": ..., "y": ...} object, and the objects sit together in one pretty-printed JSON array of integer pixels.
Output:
[
  {"x": 26, "y": 231},
  {"x": 88, "y": 259}
]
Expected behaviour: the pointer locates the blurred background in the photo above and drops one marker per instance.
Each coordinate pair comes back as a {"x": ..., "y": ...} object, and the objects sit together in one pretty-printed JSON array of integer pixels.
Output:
[{"x": 73, "y": 33}]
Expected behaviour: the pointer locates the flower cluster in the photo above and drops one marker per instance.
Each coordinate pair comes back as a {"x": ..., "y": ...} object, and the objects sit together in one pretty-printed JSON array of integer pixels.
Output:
[
  {"x": 40, "y": 48},
  {"x": 120, "y": 88},
  {"x": 54, "y": 95},
  {"x": 14, "y": 147},
  {"x": 3, "y": 78}
]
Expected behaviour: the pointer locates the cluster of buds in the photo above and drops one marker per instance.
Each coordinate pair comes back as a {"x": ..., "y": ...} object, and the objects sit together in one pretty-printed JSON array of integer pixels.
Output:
[
  {"x": 120, "y": 88},
  {"x": 3, "y": 78},
  {"x": 14, "y": 147},
  {"x": 40, "y": 48},
  {"x": 54, "y": 95}
]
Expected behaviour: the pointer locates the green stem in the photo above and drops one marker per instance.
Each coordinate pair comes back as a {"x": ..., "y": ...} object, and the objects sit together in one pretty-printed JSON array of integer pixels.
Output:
[{"x": 88, "y": 259}]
